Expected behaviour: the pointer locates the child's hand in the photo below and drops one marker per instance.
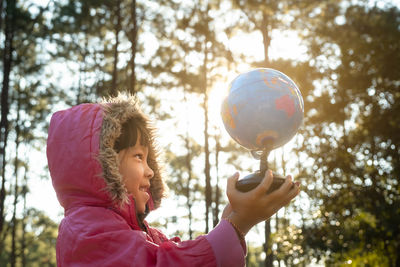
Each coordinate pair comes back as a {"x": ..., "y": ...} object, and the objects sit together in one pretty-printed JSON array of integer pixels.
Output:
[
  {"x": 256, "y": 206},
  {"x": 227, "y": 211}
]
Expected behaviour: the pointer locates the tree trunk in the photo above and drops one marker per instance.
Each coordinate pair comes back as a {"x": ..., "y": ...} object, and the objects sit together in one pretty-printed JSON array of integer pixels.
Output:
[
  {"x": 4, "y": 124},
  {"x": 1, "y": 13},
  {"x": 134, "y": 32},
  {"x": 267, "y": 244},
  {"x": 117, "y": 30},
  {"x": 189, "y": 168},
  {"x": 207, "y": 161},
  {"x": 23, "y": 224},
  {"x": 82, "y": 72},
  {"x": 206, "y": 145},
  {"x": 14, "y": 219},
  {"x": 277, "y": 231},
  {"x": 266, "y": 38},
  {"x": 217, "y": 191},
  {"x": 267, "y": 41}
]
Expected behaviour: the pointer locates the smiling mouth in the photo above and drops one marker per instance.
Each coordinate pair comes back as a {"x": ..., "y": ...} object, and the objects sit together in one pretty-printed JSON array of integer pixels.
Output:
[{"x": 144, "y": 188}]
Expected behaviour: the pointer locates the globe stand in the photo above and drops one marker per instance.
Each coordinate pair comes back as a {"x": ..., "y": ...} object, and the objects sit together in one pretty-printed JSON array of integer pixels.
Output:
[
  {"x": 252, "y": 180},
  {"x": 262, "y": 111}
]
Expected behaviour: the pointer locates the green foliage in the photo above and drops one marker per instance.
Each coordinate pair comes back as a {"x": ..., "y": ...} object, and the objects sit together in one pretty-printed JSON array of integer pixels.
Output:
[
  {"x": 40, "y": 241},
  {"x": 254, "y": 258},
  {"x": 352, "y": 135},
  {"x": 288, "y": 240},
  {"x": 29, "y": 103}
]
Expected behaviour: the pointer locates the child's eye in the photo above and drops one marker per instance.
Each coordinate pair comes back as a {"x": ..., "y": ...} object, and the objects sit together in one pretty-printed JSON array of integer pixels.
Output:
[{"x": 139, "y": 156}]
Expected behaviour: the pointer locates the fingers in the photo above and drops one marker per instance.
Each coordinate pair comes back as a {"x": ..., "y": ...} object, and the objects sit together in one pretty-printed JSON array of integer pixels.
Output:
[
  {"x": 295, "y": 190},
  {"x": 263, "y": 187},
  {"x": 287, "y": 185},
  {"x": 286, "y": 189},
  {"x": 231, "y": 184},
  {"x": 292, "y": 194}
]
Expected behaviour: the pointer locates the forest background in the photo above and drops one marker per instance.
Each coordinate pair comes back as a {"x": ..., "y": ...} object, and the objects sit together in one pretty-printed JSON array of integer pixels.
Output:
[{"x": 178, "y": 58}]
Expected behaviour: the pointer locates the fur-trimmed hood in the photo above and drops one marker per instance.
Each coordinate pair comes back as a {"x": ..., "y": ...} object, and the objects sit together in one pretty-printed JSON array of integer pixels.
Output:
[{"x": 82, "y": 162}]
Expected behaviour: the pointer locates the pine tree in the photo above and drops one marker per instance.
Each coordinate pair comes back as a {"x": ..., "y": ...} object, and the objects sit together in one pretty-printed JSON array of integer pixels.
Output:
[{"x": 354, "y": 131}]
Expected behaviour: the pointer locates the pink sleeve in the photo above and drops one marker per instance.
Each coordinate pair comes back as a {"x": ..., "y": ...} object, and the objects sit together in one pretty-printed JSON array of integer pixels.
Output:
[
  {"x": 126, "y": 247},
  {"x": 228, "y": 249},
  {"x": 114, "y": 244}
]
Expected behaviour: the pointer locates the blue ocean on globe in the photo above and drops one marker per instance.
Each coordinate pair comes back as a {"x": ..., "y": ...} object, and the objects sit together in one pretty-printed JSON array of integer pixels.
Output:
[{"x": 263, "y": 109}]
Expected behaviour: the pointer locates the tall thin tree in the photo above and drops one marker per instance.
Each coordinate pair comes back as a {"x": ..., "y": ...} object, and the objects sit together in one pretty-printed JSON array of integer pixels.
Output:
[
  {"x": 5, "y": 108},
  {"x": 206, "y": 136},
  {"x": 13, "y": 257},
  {"x": 133, "y": 37},
  {"x": 117, "y": 30},
  {"x": 217, "y": 191}
]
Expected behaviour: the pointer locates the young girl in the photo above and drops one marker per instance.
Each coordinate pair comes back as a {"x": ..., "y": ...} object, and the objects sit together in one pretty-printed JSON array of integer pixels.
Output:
[{"x": 103, "y": 164}]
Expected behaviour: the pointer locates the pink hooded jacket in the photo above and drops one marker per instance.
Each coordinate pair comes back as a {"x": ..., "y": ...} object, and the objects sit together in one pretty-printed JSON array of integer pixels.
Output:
[{"x": 100, "y": 227}]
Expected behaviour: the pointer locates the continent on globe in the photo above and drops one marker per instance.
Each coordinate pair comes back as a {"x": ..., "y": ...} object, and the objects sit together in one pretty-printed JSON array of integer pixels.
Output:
[
  {"x": 286, "y": 104},
  {"x": 226, "y": 115}
]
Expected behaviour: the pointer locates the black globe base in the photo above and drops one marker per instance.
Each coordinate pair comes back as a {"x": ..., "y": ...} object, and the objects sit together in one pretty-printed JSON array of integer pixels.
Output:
[{"x": 252, "y": 180}]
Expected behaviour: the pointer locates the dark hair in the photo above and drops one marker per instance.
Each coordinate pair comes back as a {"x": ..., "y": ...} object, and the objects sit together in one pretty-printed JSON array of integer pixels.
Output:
[{"x": 129, "y": 135}]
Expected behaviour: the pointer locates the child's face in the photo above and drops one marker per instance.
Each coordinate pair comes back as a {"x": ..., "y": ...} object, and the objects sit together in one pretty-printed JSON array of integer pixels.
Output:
[{"x": 136, "y": 174}]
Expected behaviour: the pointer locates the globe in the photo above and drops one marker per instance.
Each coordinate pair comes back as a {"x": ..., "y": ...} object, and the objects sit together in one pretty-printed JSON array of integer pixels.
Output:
[{"x": 263, "y": 109}]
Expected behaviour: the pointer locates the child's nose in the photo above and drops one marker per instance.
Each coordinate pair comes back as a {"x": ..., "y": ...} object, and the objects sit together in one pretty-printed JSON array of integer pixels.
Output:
[{"x": 149, "y": 172}]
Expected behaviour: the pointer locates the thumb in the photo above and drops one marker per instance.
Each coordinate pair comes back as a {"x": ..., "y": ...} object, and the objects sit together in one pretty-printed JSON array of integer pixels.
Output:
[{"x": 231, "y": 184}]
